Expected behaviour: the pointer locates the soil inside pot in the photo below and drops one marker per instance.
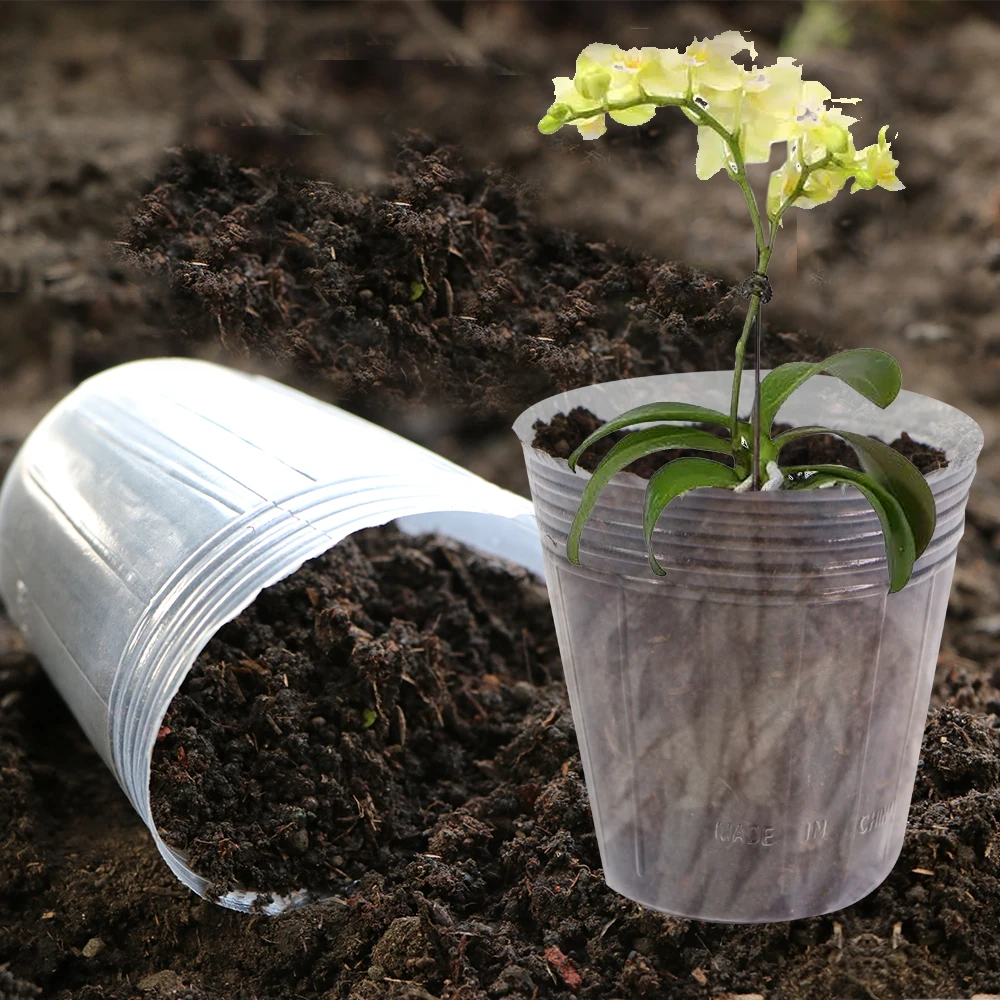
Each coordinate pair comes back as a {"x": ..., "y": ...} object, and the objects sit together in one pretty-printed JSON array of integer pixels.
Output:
[
  {"x": 562, "y": 435},
  {"x": 348, "y": 712}
]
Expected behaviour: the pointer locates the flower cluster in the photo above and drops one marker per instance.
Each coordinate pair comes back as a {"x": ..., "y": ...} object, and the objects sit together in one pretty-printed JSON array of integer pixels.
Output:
[{"x": 740, "y": 114}]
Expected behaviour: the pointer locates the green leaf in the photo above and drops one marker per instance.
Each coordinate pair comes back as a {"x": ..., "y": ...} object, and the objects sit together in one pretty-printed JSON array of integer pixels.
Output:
[
  {"x": 636, "y": 445},
  {"x": 903, "y": 480},
  {"x": 873, "y": 373},
  {"x": 900, "y": 548},
  {"x": 651, "y": 411},
  {"x": 675, "y": 479},
  {"x": 890, "y": 470},
  {"x": 368, "y": 717},
  {"x": 416, "y": 290}
]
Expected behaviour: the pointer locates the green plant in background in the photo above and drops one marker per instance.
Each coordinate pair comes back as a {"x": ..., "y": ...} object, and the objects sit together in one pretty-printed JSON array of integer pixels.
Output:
[
  {"x": 740, "y": 113},
  {"x": 822, "y": 24}
]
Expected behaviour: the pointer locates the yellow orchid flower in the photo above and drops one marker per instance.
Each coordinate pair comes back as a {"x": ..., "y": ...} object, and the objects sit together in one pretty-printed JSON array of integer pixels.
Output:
[
  {"x": 821, "y": 186},
  {"x": 831, "y": 135},
  {"x": 820, "y": 129},
  {"x": 759, "y": 106},
  {"x": 781, "y": 185},
  {"x": 592, "y": 128},
  {"x": 567, "y": 93},
  {"x": 568, "y": 104},
  {"x": 770, "y": 96},
  {"x": 774, "y": 90},
  {"x": 810, "y": 103},
  {"x": 593, "y": 71},
  {"x": 759, "y": 112},
  {"x": 710, "y": 61},
  {"x": 758, "y": 134},
  {"x": 666, "y": 75},
  {"x": 609, "y": 73},
  {"x": 876, "y": 167},
  {"x": 713, "y": 152}
]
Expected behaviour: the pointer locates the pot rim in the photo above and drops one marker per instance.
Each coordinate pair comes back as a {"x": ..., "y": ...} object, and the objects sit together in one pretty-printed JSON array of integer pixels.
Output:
[{"x": 961, "y": 442}]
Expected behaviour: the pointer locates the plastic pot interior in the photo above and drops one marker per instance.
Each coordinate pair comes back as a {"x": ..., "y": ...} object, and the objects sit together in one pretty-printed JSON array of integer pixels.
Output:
[
  {"x": 157, "y": 500},
  {"x": 749, "y": 724}
]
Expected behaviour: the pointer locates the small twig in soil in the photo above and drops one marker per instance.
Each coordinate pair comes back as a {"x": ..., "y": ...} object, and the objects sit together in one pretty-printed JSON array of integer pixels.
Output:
[{"x": 480, "y": 711}]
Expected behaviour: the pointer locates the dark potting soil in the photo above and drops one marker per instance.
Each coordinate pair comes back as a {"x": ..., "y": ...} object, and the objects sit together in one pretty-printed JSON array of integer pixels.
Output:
[
  {"x": 499, "y": 894},
  {"x": 441, "y": 288},
  {"x": 349, "y": 711},
  {"x": 562, "y": 435}
]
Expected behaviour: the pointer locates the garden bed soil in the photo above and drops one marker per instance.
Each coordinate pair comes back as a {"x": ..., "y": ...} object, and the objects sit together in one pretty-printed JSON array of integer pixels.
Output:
[
  {"x": 466, "y": 866},
  {"x": 565, "y": 432}
]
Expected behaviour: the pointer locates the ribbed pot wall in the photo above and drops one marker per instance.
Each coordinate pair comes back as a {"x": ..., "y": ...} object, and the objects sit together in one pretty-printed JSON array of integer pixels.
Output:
[
  {"x": 749, "y": 723},
  {"x": 154, "y": 503}
]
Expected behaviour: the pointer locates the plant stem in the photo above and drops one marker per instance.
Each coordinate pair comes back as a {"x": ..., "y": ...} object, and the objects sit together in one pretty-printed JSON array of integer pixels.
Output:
[
  {"x": 753, "y": 313},
  {"x": 738, "y": 173},
  {"x": 740, "y": 176},
  {"x": 763, "y": 258},
  {"x": 755, "y": 455},
  {"x": 755, "y": 472}
]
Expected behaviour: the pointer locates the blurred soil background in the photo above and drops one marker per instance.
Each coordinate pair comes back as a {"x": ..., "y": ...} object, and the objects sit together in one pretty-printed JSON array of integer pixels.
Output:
[{"x": 148, "y": 152}]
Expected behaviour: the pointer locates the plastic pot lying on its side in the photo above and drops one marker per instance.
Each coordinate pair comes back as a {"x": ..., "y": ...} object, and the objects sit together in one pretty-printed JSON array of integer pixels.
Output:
[
  {"x": 750, "y": 724},
  {"x": 158, "y": 499}
]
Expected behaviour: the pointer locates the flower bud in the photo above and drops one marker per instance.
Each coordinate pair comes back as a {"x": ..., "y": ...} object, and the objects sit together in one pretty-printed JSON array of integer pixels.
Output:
[
  {"x": 593, "y": 84},
  {"x": 555, "y": 118}
]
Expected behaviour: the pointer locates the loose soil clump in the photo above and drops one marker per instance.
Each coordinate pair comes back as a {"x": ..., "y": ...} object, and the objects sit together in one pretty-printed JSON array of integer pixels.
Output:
[{"x": 440, "y": 288}]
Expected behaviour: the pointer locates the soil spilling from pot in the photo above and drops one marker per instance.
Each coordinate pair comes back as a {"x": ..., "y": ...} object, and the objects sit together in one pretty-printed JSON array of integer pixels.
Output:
[
  {"x": 565, "y": 432},
  {"x": 345, "y": 715}
]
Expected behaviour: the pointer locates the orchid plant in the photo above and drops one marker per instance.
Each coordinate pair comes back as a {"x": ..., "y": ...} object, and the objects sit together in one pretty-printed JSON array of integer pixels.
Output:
[{"x": 740, "y": 113}]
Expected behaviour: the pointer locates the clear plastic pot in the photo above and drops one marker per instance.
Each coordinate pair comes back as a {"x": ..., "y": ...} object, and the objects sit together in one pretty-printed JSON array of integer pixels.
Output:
[
  {"x": 156, "y": 501},
  {"x": 750, "y": 724}
]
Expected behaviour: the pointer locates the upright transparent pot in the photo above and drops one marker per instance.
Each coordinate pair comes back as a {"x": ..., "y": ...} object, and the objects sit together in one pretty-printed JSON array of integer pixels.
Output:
[{"x": 750, "y": 723}]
